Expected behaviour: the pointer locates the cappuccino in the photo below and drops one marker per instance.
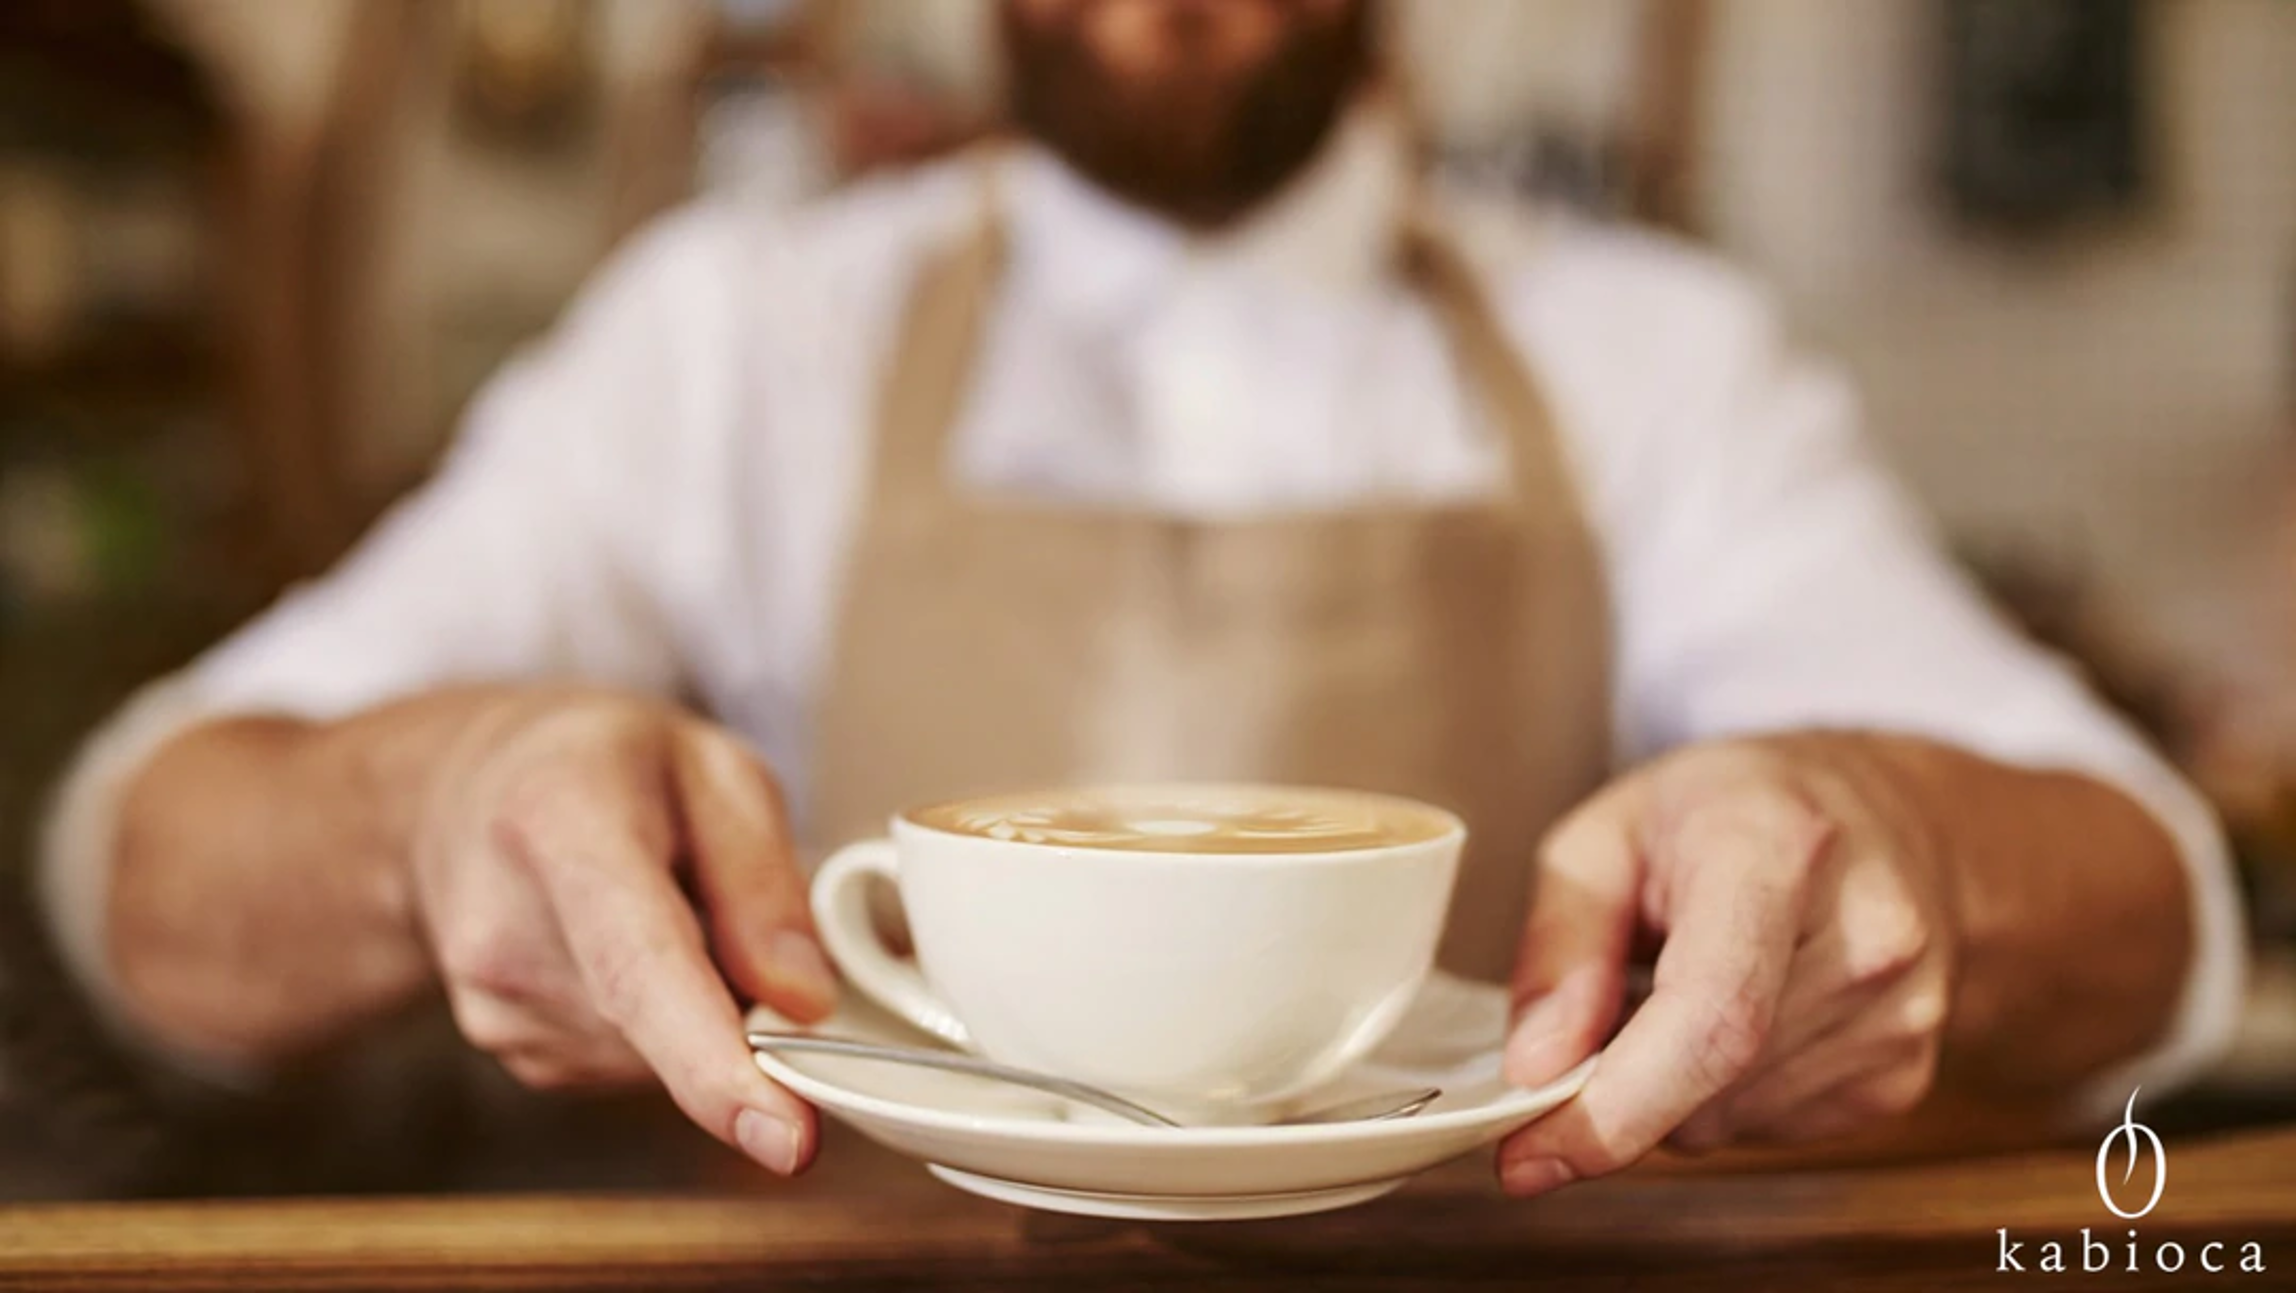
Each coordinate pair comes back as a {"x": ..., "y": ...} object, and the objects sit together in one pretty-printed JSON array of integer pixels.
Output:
[
  {"x": 1223, "y": 948},
  {"x": 1212, "y": 819}
]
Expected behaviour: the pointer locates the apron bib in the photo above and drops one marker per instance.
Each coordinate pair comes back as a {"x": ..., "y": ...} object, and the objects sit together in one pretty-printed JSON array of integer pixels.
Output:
[{"x": 1455, "y": 654}]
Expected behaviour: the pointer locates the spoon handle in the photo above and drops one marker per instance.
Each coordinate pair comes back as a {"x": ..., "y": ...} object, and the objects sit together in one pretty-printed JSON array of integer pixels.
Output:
[{"x": 951, "y": 1062}]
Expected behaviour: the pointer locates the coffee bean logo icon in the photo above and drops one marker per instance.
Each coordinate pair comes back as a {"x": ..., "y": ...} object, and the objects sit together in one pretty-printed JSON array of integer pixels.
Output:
[{"x": 2140, "y": 1143}]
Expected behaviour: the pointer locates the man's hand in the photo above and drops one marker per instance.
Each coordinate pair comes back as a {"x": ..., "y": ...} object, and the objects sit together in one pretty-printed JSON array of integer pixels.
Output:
[
  {"x": 584, "y": 857},
  {"x": 583, "y": 872},
  {"x": 1802, "y": 984},
  {"x": 1832, "y": 912}
]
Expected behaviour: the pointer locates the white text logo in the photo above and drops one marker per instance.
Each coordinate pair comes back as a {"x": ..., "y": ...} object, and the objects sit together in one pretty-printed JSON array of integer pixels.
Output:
[{"x": 2139, "y": 1147}]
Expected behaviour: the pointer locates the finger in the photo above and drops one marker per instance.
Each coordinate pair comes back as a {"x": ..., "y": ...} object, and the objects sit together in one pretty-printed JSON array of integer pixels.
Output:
[
  {"x": 751, "y": 893},
  {"x": 1742, "y": 863},
  {"x": 1820, "y": 1001},
  {"x": 495, "y": 1025},
  {"x": 1570, "y": 975},
  {"x": 1853, "y": 1104},
  {"x": 1882, "y": 1053},
  {"x": 643, "y": 961},
  {"x": 1773, "y": 1098},
  {"x": 553, "y": 1069},
  {"x": 572, "y": 1037},
  {"x": 492, "y": 930},
  {"x": 510, "y": 979},
  {"x": 1868, "y": 935},
  {"x": 541, "y": 1053}
]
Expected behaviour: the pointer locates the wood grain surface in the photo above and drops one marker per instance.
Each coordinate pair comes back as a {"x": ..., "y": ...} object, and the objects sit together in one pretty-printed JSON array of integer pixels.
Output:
[{"x": 863, "y": 1218}]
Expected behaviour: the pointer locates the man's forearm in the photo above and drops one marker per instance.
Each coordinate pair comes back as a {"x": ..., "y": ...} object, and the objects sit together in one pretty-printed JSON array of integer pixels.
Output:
[
  {"x": 2072, "y": 911},
  {"x": 260, "y": 901}
]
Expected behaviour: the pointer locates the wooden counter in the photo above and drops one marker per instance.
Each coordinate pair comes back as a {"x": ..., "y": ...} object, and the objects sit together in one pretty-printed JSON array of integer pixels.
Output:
[{"x": 863, "y": 1218}]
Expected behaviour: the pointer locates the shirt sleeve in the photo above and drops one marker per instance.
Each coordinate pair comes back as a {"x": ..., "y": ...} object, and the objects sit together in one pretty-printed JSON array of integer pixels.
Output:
[
  {"x": 1770, "y": 576},
  {"x": 523, "y": 558}
]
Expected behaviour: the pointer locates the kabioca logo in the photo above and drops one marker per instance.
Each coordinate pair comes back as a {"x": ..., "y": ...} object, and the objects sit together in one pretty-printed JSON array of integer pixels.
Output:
[
  {"x": 2134, "y": 1149},
  {"x": 2142, "y": 1144}
]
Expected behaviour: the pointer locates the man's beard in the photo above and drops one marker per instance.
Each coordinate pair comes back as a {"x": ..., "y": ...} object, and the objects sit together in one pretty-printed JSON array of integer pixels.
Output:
[{"x": 1199, "y": 149}]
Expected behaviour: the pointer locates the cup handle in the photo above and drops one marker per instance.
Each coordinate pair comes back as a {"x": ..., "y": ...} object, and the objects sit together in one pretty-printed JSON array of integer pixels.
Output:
[{"x": 841, "y": 911}]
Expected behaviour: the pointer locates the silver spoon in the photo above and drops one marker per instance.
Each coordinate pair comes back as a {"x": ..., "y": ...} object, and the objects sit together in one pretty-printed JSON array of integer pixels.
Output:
[{"x": 1375, "y": 1108}]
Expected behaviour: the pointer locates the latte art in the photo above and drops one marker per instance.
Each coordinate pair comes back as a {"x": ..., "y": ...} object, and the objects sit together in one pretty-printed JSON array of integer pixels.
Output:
[{"x": 1193, "y": 819}]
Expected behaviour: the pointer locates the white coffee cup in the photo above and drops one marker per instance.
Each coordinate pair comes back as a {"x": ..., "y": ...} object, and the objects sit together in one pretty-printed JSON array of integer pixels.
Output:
[{"x": 1204, "y": 982}]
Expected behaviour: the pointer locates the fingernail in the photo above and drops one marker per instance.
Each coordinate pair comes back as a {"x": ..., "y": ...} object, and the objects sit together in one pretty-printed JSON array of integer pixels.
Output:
[
  {"x": 770, "y": 1140},
  {"x": 799, "y": 963},
  {"x": 1535, "y": 1176}
]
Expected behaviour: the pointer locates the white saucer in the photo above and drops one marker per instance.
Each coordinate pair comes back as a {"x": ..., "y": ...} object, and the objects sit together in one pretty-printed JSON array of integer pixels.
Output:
[
  {"x": 1044, "y": 1152},
  {"x": 1164, "y": 1207}
]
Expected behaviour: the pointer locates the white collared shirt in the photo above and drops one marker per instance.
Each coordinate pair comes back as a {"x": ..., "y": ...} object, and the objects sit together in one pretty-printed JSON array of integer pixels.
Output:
[{"x": 659, "y": 494}]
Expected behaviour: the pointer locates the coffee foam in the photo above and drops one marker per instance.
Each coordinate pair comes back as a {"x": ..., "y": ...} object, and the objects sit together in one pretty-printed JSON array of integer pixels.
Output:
[{"x": 1192, "y": 819}]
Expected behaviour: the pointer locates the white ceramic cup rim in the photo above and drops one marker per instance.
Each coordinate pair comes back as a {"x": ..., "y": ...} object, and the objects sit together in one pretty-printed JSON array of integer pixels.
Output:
[{"x": 1454, "y": 830}]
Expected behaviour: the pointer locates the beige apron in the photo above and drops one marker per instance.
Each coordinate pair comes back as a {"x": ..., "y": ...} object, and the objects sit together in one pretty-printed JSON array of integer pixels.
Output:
[{"x": 1459, "y": 655}]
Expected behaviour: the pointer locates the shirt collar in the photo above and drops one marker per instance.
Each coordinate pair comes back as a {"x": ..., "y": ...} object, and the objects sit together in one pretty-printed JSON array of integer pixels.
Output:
[{"x": 1332, "y": 228}]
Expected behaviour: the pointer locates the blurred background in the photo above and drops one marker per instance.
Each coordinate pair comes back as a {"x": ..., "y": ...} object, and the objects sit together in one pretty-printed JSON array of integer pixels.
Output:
[{"x": 256, "y": 254}]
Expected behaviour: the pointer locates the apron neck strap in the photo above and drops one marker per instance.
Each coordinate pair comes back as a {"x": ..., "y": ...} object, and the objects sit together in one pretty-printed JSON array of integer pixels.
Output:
[
  {"x": 1486, "y": 357},
  {"x": 937, "y": 343}
]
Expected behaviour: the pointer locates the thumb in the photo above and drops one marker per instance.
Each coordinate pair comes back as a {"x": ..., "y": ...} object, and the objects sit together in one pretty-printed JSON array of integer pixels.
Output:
[
  {"x": 745, "y": 869},
  {"x": 1570, "y": 975}
]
